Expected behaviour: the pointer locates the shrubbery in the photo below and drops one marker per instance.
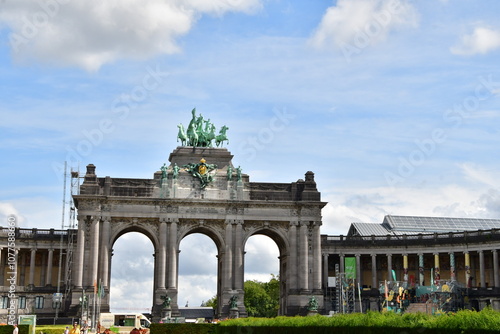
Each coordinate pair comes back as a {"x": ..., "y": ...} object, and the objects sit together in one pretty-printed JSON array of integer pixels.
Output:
[{"x": 486, "y": 321}]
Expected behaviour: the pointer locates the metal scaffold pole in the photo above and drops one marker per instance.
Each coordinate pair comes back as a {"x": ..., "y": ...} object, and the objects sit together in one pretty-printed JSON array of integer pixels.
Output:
[{"x": 57, "y": 296}]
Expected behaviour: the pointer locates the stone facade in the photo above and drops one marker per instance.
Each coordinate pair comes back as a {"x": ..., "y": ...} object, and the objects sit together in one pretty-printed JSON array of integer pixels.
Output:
[{"x": 229, "y": 210}]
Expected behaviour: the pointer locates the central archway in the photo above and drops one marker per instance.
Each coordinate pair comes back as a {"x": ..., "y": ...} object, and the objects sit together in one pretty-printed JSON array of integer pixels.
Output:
[
  {"x": 197, "y": 270},
  {"x": 193, "y": 229}
]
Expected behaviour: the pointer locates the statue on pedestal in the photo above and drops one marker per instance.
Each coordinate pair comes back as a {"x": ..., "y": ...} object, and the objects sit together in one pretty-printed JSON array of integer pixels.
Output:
[
  {"x": 233, "y": 302},
  {"x": 312, "y": 306},
  {"x": 201, "y": 133}
]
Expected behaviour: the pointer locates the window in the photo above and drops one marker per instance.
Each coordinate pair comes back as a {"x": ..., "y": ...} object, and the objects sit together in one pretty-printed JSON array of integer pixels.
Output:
[
  {"x": 38, "y": 302},
  {"x": 5, "y": 302},
  {"x": 22, "y": 302}
]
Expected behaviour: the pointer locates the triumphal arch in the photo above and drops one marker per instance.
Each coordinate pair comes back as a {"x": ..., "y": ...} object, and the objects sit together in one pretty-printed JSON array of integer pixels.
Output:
[{"x": 201, "y": 191}]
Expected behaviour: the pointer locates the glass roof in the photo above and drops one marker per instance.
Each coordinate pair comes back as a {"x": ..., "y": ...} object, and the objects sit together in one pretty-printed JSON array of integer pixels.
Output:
[
  {"x": 438, "y": 224},
  {"x": 365, "y": 229}
]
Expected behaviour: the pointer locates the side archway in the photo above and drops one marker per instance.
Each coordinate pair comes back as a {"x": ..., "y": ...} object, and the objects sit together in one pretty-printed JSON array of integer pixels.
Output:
[{"x": 132, "y": 274}]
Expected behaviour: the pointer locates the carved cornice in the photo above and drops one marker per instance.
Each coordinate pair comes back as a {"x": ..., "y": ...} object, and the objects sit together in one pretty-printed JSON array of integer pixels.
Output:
[{"x": 96, "y": 202}]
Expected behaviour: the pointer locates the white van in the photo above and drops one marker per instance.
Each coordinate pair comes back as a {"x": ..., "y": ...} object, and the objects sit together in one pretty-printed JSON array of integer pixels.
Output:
[{"x": 124, "y": 321}]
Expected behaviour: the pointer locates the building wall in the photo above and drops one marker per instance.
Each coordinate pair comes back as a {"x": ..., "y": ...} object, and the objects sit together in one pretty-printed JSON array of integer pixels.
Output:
[{"x": 36, "y": 255}]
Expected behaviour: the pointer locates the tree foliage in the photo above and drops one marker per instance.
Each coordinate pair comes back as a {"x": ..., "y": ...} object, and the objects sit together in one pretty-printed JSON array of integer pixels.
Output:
[
  {"x": 262, "y": 298},
  {"x": 212, "y": 302}
]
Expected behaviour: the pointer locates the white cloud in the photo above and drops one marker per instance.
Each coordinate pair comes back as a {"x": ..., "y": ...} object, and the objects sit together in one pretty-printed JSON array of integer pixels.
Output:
[
  {"x": 370, "y": 205},
  {"x": 478, "y": 174},
  {"x": 32, "y": 212},
  {"x": 359, "y": 23},
  {"x": 9, "y": 210},
  {"x": 482, "y": 40},
  {"x": 91, "y": 33}
]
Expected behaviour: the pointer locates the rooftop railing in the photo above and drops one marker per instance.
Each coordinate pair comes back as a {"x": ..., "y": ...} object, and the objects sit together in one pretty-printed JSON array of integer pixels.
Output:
[{"x": 416, "y": 239}]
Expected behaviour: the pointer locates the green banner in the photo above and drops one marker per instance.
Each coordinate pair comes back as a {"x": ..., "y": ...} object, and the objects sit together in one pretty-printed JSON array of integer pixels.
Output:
[{"x": 350, "y": 267}]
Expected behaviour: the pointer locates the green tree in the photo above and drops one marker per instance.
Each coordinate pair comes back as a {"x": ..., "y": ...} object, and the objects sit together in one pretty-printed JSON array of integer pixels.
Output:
[
  {"x": 212, "y": 302},
  {"x": 262, "y": 298}
]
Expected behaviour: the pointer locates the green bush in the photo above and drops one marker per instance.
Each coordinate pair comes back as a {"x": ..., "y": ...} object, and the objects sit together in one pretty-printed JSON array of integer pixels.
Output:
[
  {"x": 187, "y": 328},
  {"x": 7, "y": 329},
  {"x": 470, "y": 322},
  {"x": 50, "y": 329},
  {"x": 486, "y": 321}
]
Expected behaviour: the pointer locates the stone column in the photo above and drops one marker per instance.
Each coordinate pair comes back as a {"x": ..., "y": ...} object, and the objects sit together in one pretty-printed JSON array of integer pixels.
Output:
[
  {"x": 374, "y": 272},
  {"x": 94, "y": 251},
  {"x": 482, "y": 275},
  {"x": 437, "y": 273},
  {"x": 342, "y": 263},
  {"x": 496, "y": 275},
  {"x": 303, "y": 260},
  {"x": 32, "y": 267},
  {"x": 238, "y": 256},
  {"x": 325, "y": 270},
  {"x": 421, "y": 276},
  {"x": 452, "y": 267},
  {"x": 467, "y": 270},
  {"x": 79, "y": 256},
  {"x": 172, "y": 256},
  {"x": 50, "y": 259},
  {"x": 292, "y": 266},
  {"x": 316, "y": 257},
  {"x": 227, "y": 271},
  {"x": 105, "y": 246},
  {"x": 405, "y": 268},
  {"x": 389, "y": 267},
  {"x": 162, "y": 255},
  {"x": 358, "y": 269}
]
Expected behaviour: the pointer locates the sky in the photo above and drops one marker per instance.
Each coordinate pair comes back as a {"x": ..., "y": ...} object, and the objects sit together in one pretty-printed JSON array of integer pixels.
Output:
[{"x": 393, "y": 104}]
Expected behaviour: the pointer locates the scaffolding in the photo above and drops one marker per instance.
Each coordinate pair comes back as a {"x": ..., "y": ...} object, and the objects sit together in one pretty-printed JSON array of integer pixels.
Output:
[
  {"x": 66, "y": 246},
  {"x": 75, "y": 190},
  {"x": 345, "y": 294}
]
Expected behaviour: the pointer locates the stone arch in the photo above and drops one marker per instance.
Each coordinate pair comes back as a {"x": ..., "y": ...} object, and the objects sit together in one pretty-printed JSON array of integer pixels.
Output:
[
  {"x": 220, "y": 243},
  {"x": 124, "y": 255},
  {"x": 278, "y": 235},
  {"x": 210, "y": 232},
  {"x": 148, "y": 232},
  {"x": 119, "y": 228},
  {"x": 214, "y": 232}
]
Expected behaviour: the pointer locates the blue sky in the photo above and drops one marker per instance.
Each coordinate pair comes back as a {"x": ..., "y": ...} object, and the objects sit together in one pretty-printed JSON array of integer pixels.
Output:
[{"x": 394, "y": 105}]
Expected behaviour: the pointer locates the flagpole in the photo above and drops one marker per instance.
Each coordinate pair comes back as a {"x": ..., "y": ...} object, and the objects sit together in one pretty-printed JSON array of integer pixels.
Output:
[
  {"x": 386, "y": 292},
  {"x": 99, "y": 296},
  {"x": 94, "y": 305},
  {"x": 360, "y": 302}
]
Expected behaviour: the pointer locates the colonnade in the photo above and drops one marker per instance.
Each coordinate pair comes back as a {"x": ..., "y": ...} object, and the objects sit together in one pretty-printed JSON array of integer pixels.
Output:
[
  {"x": 35, "y": 266},
  {"x": 477, "y": 268}
]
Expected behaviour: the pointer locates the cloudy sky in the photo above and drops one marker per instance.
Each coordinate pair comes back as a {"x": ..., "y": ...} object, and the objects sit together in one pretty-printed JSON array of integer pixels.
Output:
[{"x": 393, "y": 104}]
